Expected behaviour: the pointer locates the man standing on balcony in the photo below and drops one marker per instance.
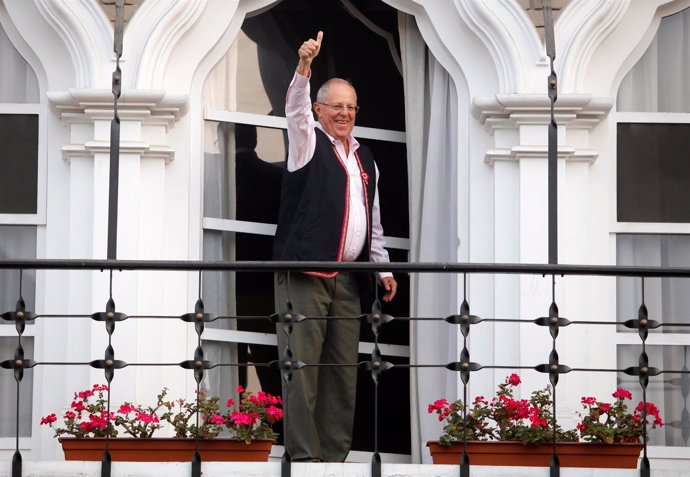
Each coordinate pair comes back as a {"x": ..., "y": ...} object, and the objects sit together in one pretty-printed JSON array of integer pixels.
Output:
[{"x": 329, "y": 211}]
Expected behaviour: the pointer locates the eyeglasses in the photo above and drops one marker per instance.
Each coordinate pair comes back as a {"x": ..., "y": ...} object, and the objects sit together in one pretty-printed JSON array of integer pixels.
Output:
[{"x": 339, "y": 107}]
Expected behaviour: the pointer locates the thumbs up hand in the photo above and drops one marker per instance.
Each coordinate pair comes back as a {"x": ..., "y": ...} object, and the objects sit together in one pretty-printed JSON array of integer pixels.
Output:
[{"x": 307, "y": 52}]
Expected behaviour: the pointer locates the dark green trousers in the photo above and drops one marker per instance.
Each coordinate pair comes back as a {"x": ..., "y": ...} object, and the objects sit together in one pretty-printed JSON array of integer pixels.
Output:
[{"x": 320, "y": 401}]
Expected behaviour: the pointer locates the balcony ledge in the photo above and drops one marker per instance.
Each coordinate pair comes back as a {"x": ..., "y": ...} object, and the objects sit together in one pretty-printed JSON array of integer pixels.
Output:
[{"x": 272, "y": 469}]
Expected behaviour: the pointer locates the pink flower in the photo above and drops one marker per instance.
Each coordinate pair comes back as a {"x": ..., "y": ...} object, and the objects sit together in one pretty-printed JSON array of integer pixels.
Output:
[
  {"x": 240, "y": 389},
  {"x": 231, "y": 402},
  {"x": 605, "y": 407},
  {"x": 145, "y": 418},
  {"x": 590, "y": 401},
  {"x": 216, "y": 419},
  {"x": 241, "y": 419},
  {"x": 78, "y": 406},
  {"x": 126, "y": 409},
  {"x": 69, "y": 415},
  {"x": 274, "y": 414}
]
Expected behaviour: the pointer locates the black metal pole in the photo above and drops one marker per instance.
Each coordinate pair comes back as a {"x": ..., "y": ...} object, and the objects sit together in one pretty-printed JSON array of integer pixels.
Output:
[
  {"x": 553, "y": 137},
  {"x": 114, "y": 172}
]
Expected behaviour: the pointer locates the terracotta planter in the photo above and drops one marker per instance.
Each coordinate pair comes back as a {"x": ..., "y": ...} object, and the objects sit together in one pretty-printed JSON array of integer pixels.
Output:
[
  {"x": 160, "y": 449},
  {"x": 570, "y": 454}
]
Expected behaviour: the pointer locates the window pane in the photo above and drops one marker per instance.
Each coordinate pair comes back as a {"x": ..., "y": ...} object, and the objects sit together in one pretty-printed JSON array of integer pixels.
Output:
[
  {"x": 8, "y": 390},
  {"x": 653, "y": 172},
  {"x": 667, "y": 299},
  {"x": 242, "y": 172},
  {"x": 667, "y": 391},
  {"x": 18, "y": 163},
  {"x": 17, "y": 242},
  {"x": 391, "y": 159}
]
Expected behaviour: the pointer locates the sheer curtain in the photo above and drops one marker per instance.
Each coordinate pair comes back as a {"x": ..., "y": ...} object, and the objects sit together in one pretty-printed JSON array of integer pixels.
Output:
[
  {"x": 18, "y": 84},
  {"x": 431, "y": 125},
  {"x": 666, "y": 300},
  {"x": 658, "y": 83},
  {"x": 659, "y": 80}
]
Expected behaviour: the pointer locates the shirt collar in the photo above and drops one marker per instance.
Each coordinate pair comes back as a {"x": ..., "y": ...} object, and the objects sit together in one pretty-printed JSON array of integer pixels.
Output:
[{"x": 354, "y": 143}]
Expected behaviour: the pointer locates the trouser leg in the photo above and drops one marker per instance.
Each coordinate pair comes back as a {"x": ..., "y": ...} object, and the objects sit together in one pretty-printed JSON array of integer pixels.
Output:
[
  {"x": 310, "y": 297},
  {"x": 335, "y": 407}
]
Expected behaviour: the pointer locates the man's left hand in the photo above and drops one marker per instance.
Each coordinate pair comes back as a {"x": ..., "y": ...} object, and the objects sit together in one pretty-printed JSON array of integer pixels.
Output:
[{"x": 391, "y": 286}]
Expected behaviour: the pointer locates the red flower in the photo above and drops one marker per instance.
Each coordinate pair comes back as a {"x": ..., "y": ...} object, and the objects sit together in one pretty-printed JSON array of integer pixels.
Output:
[
  {"x": 605, "y": 407},
  {"x": 591, "y": 401},
  {"x": 48, "y": 419},
  {"x": 622, "y": 394},
  {"x": 514, "y": 380}
]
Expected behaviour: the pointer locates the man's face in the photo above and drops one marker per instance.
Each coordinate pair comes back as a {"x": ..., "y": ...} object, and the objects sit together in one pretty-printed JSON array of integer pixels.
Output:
[{"x": 338, "y": 124}]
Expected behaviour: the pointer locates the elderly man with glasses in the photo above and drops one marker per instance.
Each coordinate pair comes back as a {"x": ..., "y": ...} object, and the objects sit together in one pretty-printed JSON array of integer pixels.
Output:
[{"x": 329, "y": 212}]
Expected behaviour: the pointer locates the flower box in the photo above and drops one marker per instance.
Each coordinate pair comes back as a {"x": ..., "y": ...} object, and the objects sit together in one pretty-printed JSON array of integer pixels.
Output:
[
  {"x": 570, "y": 454},
  {"x": 161, "y": 449}
]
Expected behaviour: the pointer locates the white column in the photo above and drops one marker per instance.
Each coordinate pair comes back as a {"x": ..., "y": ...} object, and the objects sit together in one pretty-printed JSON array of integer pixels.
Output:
[
  {"x": 143, "y": 232},
  {"x": 519, "y": 124}
]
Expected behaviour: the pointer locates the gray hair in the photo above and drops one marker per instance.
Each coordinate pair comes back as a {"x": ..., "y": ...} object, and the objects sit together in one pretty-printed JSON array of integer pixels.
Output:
[{"x": 322, "y": 93}]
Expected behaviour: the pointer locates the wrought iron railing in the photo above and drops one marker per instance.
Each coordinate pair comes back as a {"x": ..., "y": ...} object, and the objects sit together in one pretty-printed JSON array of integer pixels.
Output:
[{"x": 376, "y": 365}]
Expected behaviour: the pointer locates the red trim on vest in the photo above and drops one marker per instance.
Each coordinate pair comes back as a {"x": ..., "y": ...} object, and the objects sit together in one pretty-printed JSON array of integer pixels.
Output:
[
  {"x": 365, "y": 183},
  {"x": 346, "y": 217}
]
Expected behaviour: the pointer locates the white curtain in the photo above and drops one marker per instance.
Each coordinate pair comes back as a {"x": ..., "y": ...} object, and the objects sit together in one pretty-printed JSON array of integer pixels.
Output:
[
  {"x": 667, "y": 300},
  {"x": 659, "y": 80},
  {"x": 16, "y": 242},
  {"x": 18, "y": 83},
  {"x": 431, "y": 125},
  {"x": 659, "y": 83}
]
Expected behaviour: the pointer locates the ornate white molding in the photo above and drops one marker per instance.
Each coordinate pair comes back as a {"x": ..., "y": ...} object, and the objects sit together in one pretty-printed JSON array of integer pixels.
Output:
[
  {"x": 510, "y": 37},
  {"x": 153, "y": 34},
  {"x": 145, "y": 150},
  {"x": 87, "y": 34},
  {"x": 518, "y": 153},
  {"x": 506, "y": 111},
  {"x": 579, "y": 32},
  {"x": 149, "y": 106}
]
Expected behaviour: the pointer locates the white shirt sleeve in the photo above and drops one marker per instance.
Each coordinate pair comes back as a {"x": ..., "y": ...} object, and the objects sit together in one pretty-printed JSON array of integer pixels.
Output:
[
  {"x": 300, "y": 123},
  {"x": 378, "y": 253}
]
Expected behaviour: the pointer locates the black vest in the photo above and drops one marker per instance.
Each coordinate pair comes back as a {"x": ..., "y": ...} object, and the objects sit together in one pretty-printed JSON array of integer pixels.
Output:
[{"x": 314, "y": 206}]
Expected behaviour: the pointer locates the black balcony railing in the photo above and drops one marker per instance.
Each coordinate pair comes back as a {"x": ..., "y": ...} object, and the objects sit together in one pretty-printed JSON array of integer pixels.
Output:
[{"x": 289, "y": 363}]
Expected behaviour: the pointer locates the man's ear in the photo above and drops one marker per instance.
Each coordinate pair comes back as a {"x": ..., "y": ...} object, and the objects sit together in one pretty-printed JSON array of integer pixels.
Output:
[{"x": 317, "y": 109}]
